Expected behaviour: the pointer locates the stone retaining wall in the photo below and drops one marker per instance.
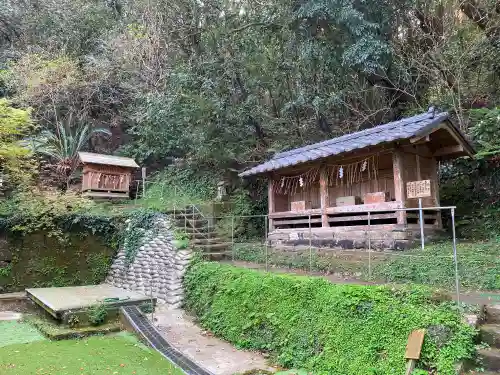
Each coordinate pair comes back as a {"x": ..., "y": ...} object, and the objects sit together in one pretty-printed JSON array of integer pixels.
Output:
[{"x": 157, "y": 269}]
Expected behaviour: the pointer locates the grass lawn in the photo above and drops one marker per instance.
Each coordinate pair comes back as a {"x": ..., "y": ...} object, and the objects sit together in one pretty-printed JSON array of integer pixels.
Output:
[
  {"x": 12, "y": 332},
  {"x": 98, "y": 355}
]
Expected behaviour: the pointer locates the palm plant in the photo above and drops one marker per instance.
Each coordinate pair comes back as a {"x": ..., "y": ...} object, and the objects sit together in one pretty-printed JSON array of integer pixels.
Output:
[{"x": 61, "y": 147}]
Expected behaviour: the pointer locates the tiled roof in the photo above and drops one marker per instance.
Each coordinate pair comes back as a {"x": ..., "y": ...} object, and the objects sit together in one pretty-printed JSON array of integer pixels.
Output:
[
  {"x": 119, "y": 161},
  {"x": 398, "y": 130}
]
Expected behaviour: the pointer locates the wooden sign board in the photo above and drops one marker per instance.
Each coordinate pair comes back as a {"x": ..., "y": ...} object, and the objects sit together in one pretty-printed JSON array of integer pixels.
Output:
[
  {"x": 414, "y": 345},
  {"x": 298, "y": 206},
  {"x": 418, "y": 189}
]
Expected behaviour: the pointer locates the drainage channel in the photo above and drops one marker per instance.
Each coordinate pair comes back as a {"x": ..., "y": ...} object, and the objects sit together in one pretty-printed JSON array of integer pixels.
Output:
[{"x": 148, "y": 332}]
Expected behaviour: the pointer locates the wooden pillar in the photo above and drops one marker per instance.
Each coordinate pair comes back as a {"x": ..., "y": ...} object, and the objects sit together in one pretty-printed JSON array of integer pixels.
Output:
[
  {"x": 323, "y": 194},
  {"x": 419, "y": 173},
  {"x": 435, "y": 190},
  {"x": 399, "y": 183},
  {"x": 270, "y": 200}
]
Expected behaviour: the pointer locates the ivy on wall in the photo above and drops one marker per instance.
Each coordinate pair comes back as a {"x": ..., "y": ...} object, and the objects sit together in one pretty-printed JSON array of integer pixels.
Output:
[
  {"x": 141, "y": 223},
  {"x": 37, "y": 260},
  {"x": 54, "y": 239}
]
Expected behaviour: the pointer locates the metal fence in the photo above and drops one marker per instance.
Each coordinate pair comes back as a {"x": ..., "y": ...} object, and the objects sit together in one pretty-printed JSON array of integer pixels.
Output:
[
  {"x": 471, "y": 275},
  {"x": 243, "y": 241}
]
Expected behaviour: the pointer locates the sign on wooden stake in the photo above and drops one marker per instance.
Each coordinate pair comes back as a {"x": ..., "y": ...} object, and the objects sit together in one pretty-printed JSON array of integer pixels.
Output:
[{"x": 413, "y": 349}]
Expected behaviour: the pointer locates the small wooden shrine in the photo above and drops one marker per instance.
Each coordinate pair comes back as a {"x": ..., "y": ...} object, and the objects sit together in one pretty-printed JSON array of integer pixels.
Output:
[
  {"x": 106, "y": 176},
  {"x": 325, "y": 193}
]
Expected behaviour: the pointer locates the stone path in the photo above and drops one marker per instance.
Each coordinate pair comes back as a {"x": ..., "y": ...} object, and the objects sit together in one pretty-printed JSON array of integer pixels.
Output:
[
  {"x": 10, "y": 315},
  {"x": 216, "y": 356}
]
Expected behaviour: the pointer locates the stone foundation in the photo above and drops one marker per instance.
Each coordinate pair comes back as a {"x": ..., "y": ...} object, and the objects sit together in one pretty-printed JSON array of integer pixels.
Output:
[
  {"x": 157, "y": 269},
  {"x": 381, "y": 237}
]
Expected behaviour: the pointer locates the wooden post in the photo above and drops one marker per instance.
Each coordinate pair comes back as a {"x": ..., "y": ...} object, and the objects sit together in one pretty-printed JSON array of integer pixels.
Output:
[
  {"x": 323, "y": 194},
  {"x": 399, "y": 183},
  {"x": 270, "y": 200},
  {"x": 419, "y": 174},
  {"x": 435, "y": 190}
]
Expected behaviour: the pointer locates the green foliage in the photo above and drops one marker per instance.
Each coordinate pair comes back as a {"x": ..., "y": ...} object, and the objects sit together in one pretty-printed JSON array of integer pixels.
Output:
[
  {"x": 478, "y": 266},
  {"x": 467, "y": 183},
  {"x": 54, "y": 330},
  {"x": 41, "y": 261},
  {"x": 34, "y": 210},
  {"x": 14, "y": 158},
  {"x": 141, "y": 224},
  {"x": 5, "y": 271},
  {"x": 99, "y": 264},
  {"x": 61, "y": 147},
  {"x": 73, "y": 320},
  {"x": 147, "y": 307},
  {"x": 181, "y": 240},
  {"x": 179, "y": 187},
  {"x": 242, "y": 218},
  {"x": 486, "y": 130},
  {"x": 97, "y": 314},
  {"x": 322, "y": 327}
]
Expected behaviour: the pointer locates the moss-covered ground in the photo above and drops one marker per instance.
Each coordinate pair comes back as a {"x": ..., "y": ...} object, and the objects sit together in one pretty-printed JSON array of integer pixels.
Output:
[{"x": 25, "y": 351}]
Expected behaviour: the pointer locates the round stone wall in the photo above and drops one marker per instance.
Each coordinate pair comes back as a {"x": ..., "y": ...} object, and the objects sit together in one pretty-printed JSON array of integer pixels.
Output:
[{"x": 158, "y": 267}]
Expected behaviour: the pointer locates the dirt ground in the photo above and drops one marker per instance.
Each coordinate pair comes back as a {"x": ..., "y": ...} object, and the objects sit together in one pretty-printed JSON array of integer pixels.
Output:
[{"x": 213, "y": 354}]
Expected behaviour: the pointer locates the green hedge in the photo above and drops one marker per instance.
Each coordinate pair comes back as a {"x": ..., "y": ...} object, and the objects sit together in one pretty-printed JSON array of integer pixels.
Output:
[{"x": 329, "y": 329}]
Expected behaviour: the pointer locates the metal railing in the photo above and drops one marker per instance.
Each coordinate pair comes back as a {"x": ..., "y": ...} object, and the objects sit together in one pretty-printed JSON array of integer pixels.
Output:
[{"x": 259, "y": 249}]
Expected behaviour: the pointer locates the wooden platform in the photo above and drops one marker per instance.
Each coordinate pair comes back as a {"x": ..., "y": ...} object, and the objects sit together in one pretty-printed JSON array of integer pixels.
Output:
[
  {"x": 105, "y": 195},
  {"x": 352, "y": 217},
  {"x": 59, "y": 301}
]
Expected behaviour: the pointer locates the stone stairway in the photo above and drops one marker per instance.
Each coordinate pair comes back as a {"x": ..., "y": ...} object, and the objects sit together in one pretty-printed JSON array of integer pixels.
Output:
[
  {"x": 490, "y": 334},
  {"x": 201, "y": 231}
]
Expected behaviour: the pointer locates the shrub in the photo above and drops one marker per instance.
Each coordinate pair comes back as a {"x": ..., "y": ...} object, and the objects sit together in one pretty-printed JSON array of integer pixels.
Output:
[
  {"x": 97, "y": 314},
  {"x": 329, "y": 329},
  {"x": 147, "y": 307}
]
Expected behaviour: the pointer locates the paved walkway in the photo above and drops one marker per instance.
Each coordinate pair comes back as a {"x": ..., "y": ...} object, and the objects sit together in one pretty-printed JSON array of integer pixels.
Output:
[
  {"x": 10, "y": 315},
  {"x": 213, "y": 354}
]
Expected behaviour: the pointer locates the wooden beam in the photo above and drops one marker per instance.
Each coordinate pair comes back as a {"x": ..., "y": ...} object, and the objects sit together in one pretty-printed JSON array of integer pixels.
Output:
[
  {"x": 278, "y": 222},
  {"x": 435, "y": 190},
  {"x": 421, "y": 139},
  {"x": 399, "y": 183},
  {"x": 419, "y": 174},
  {"x": 270, "y": 202},
  {"x": 414, "y": 215},
  {"x": 344, "y": 158},
  {"x": 323, "y": 194},
  {"x": 359, "y": 208},
  {"x": 340, "y": 219},
  {"x": 449, "y": 150}
]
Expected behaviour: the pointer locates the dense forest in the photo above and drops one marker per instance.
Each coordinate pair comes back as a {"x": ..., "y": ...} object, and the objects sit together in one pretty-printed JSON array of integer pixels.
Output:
[{"x": 223, "y": 84}]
